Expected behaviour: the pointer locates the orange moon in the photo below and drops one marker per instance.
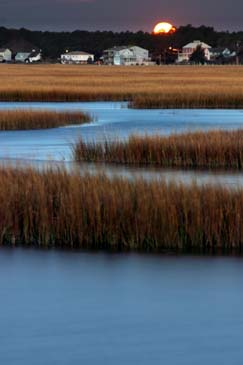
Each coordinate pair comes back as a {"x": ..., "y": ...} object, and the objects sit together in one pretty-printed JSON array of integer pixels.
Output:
[{"x": 164, "y": 28}]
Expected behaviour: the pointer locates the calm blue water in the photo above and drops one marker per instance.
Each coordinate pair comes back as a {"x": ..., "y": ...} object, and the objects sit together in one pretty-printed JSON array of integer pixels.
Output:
[
  {"x": 112, "y": 120},
  {"x": 51, "y": 147},
  {"x": 66, "y": 308},
  {"x": 77, "y": 308}
]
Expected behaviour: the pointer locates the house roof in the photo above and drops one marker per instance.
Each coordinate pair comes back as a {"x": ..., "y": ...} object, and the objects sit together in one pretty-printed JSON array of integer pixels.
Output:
[
  {"x": 137, "y": 47},
  {"x": 197, "y": 43},
  {"x": 121, "y": 48},
  {"x": 117, "y": 48},
  {"x": 73, "y": 53},
  {"x": 3, "y": 49},
  {"x": 20, "y": 45}
]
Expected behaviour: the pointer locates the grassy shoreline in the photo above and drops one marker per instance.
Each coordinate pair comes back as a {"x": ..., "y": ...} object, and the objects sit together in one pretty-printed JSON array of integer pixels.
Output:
[
  {"x": 203, "y": 150},
  {"x": 190, "y": 100},
  {"x": 21, "y": 119},
  {"x": 55, "y": 209},
  {"x": 142, "y": 87}
]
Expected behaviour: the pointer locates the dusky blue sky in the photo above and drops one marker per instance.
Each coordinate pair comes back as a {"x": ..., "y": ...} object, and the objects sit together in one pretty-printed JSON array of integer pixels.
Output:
[{"x": 119, "y": 15}]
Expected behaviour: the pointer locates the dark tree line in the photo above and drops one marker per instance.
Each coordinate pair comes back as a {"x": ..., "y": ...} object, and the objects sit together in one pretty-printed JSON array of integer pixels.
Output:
[{"x": 53, "y": 44}]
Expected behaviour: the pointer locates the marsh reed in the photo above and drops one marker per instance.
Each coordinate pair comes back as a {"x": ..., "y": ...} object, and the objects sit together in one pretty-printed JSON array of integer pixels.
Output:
[
  {"x": 57, "y": 209},
  {"x": 21, "y": 119},
  {"x": 143, "y": 87},
  {"x": 212, "y": 149},
  {"x": 190, "y": 99}
]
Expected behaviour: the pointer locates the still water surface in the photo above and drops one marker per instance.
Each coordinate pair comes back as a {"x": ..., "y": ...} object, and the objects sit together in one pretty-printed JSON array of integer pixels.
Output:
[
  {"x": 112, "y": 120},
  {"x": 42, "y": 148},
  {"x": 81, "y": 308},
  {"x": 230, "y": 179}
]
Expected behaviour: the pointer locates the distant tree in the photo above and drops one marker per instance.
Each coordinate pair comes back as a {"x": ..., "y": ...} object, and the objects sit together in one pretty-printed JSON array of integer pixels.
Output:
[
  {"x": 198, "y": 56},
  {"x": 53, "y": 44}
]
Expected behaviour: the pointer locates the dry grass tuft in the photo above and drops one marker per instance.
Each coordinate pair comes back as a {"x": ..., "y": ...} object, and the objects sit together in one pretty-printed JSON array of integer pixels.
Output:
[{"x": 39, "y": 119}]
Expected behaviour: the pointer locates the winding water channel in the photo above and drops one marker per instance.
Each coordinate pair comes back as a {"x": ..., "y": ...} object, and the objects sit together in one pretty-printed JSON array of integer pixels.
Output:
[
  {"x": 112, "y": 120},
  {"x": 64, "y": 308}
]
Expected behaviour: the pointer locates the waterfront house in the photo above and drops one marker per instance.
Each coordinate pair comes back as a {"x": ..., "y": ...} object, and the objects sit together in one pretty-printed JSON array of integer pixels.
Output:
[
  {"x": 22, "y": 56},
  {"x": 34, "y": 56},
  {"x": 190, "y": 48},
  {"x": 5, "y": 55},
  {"x": 126, "y": 55},
  {"x": 77, "y": 57},
  {"x": 28, "y": 57}
]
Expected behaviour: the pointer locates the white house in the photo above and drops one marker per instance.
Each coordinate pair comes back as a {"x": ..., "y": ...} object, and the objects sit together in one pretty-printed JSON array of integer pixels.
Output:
[
  {"x": 5, "y": 55},
  {"x": 22, "y": 56},
  {"x": 126, "y": 55},
  {"x": 189, "y": 48},
  {"x": 35, "y": 56},
  {"x": 77, "y": 57},
  {"x": 28, "y": 57}
]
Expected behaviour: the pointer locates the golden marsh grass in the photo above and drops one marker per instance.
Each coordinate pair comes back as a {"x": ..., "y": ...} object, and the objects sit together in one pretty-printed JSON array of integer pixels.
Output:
[
  {"x": 56, "y": 209},
  {"x": 143, "y": 87},
  {"x": 212, "y": 149},
  {"x": 39, "y": 119}
]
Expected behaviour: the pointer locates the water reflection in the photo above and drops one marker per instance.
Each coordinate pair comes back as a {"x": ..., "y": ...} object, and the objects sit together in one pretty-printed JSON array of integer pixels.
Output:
[{"x": 233, "y": 179}]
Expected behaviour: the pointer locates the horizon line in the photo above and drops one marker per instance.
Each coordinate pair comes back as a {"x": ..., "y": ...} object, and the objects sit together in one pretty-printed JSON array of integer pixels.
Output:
[{"x": 52, "y": 30}]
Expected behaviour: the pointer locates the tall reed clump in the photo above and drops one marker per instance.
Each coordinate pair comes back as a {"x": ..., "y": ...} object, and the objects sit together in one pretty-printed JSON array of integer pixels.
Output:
[
  {"x": 213, "y": 149},
  {"x": 39, "y": 119},
  {"x": 54, "y": 208}
]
